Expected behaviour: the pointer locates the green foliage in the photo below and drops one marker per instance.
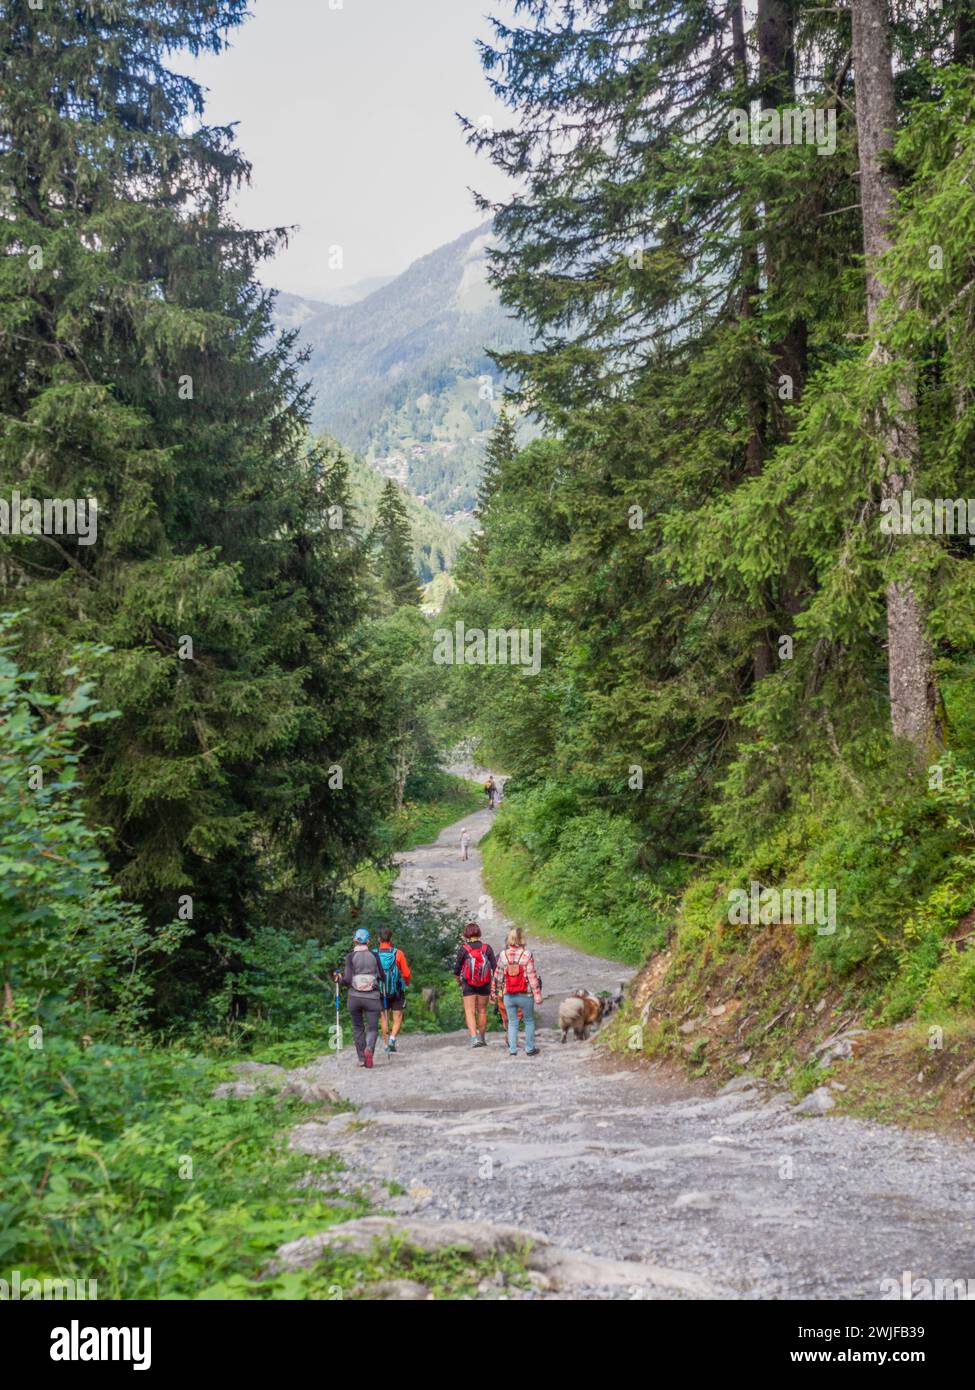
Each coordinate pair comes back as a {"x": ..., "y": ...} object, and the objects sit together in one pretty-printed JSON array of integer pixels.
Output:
[
  {"x": 123, "y": 1169},
  {"x": 71, "y": 948},
  {"x": 140, "y": 369},
  {"x": 393, "y": 541},
  {"x": 575, "y": 873}
]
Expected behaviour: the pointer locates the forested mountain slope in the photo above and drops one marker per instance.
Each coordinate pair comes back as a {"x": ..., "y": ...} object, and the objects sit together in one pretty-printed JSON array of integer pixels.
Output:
[{"x": 403, "y": 376}]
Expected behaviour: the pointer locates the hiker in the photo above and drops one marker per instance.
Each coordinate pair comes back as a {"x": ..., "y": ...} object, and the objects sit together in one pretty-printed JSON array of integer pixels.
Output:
[
  {"x": 363, "y": 978},
  {"x": 516, "y": 980},
  {"x": 502, "y": 1012},
  {"x": 396, "y": 978},
  {"x": 490, "y": 788},
  {"x": 474, "y": 968},
  {"x": 465, "y": 843}
]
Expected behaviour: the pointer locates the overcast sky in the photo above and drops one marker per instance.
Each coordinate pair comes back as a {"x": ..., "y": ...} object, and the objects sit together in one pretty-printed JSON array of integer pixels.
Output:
[{"x": 347, "y": 116}]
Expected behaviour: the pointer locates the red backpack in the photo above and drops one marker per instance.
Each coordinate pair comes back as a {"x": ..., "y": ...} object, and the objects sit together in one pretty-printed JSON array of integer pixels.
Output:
[
  {"x": 515, "y": 980},
  {"x": 477, "y": 968}
]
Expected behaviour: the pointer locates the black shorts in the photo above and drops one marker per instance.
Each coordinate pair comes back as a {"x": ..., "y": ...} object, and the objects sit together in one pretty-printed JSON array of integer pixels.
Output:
[
  {"x": 482, "y": 991},
  {"x": 396, "y": 1002}
]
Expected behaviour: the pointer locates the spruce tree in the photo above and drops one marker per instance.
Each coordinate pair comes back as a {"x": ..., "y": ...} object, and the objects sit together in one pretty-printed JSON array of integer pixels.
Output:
[
  {"x": 139, "y": 368},
  {"x": 394, "y": 548}
]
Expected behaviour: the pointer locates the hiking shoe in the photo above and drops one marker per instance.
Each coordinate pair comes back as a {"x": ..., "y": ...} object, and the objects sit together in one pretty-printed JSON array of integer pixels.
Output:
[
  {"x": 532, "y": 1053},
  {"x": 360, "y": 1062},
  {"x": 474, "y": 1041},
  {"x": 512, "y": 1054},
  {"x": 367, "y": 1062},
  {"x": 392, "y": 1045}
]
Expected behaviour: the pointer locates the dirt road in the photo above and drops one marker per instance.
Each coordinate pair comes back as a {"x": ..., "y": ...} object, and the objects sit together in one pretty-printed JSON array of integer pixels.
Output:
[{"x": 729, "y": 1196}]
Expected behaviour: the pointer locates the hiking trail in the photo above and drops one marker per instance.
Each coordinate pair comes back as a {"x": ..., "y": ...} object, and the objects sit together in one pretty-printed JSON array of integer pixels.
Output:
[{"x": 638, "y": 1187}]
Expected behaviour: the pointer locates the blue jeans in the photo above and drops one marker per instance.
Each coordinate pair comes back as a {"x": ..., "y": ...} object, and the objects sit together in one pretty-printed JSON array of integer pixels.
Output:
[{"x": 525, "y": 1002}]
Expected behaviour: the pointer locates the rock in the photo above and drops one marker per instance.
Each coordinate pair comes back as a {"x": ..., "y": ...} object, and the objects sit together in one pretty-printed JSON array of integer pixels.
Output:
[
  {"x": 560, "y": 1269},
  {"x": 265, "y": 1076},
  {"x": 693, "y": 1024},
  {"x": 743, "y": 1059},
  {"x": 818, "y": 1102},
  {"x": 235, "y": 1090},
  {"x": 718, "y": 1009},
  {"x": 477, "y": 1238},
  {"x": 740, "y": 1083},
  {"x": 818, "y": 1009},
  {"x": 312, "y": 1092},
  {"x": 697, "y": 1201},
  {"x": 400, "y": 1290},
  {"x": 834, "y": 1052},
  {"x": 965, "y": 1075},
  {"x": 570, "y": 1269}
]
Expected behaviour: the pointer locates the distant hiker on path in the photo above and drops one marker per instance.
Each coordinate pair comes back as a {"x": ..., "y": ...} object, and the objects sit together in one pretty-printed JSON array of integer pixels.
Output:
[
  {"x": 516, "y": 980},
  {"x": 491, "y": 788},
  {"x": 465, "y": 843},
  {"x": 396, "y": 978},
  {"x": 474, "y": 968},
  {"x": 363, "y": 978}
]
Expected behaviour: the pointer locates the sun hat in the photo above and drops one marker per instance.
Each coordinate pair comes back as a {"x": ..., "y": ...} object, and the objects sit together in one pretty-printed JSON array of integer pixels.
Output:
[{"x": 362, "y": 936}]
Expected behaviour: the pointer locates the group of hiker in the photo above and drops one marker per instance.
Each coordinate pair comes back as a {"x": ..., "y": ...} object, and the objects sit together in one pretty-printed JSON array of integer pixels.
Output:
[{"x": 377, "y": 981}]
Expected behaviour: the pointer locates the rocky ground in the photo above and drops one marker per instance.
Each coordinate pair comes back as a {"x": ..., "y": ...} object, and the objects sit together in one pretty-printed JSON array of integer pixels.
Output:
[{"x": 636, "y": 1186}]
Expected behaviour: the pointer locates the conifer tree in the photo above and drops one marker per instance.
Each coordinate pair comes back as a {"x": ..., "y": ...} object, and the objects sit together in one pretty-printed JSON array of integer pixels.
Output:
[
  {"x": 138, "y": 367},
  {"x": 394, "y": 547}
]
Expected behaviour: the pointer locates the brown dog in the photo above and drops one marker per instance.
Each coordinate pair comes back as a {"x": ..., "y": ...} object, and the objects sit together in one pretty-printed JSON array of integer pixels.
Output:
[{"x": 579, "y": 1012}]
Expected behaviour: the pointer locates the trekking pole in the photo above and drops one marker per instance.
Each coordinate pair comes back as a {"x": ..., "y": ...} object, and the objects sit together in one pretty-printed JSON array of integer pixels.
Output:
[{"x": 338, "y": 1017}]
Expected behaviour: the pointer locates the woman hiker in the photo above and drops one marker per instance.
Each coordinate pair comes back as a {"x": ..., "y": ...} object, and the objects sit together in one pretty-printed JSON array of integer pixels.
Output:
[
  {"x": 363, "y": 978},
  {"x": 516, "y": 980},
  {"x": 474, "y": 969}
]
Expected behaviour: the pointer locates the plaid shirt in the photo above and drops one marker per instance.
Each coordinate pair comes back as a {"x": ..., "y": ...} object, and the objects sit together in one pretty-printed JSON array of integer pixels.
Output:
[{"x": 518, "y": 955}]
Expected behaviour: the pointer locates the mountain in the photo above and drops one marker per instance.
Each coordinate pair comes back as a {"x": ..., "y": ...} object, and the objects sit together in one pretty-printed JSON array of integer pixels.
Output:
[{"x": 402, "y": 376}]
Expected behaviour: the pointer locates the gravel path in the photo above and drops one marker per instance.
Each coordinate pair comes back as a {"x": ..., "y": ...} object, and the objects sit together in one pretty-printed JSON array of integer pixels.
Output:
[{"x": 734, "y": 1196}]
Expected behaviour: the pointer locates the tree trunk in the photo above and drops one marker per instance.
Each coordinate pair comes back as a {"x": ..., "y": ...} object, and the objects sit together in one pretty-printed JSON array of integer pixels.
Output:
[{"x": 913, "y": 695}]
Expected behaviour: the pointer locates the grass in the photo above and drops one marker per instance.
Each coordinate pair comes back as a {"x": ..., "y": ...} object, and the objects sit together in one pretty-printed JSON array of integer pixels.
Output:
[
  {"x": 122, "y": 1168},
  {"x": 509, "y": 878},
  {"x": 420, "y": 822}
]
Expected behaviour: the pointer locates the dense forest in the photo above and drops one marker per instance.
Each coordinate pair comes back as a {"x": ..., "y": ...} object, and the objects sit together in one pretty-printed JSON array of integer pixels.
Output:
[
  {"x": 755, "y": 364},
  {"x": 742, "y": 249}
]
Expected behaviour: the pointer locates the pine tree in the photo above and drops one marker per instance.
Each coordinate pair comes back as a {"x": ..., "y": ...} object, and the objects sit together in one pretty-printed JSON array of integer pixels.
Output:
[
  {"x": 139, "y": 368},
  {"x": 498, "y": 458},
  {"x": 394, "y": 548}
]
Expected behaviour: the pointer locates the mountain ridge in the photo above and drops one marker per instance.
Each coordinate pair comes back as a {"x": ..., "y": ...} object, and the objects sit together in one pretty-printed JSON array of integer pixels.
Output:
[{"x": 403, "y": 376}]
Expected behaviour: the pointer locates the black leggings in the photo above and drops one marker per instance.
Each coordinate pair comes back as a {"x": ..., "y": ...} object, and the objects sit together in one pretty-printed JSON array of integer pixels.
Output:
[{"x": 364, "y": 1011}]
